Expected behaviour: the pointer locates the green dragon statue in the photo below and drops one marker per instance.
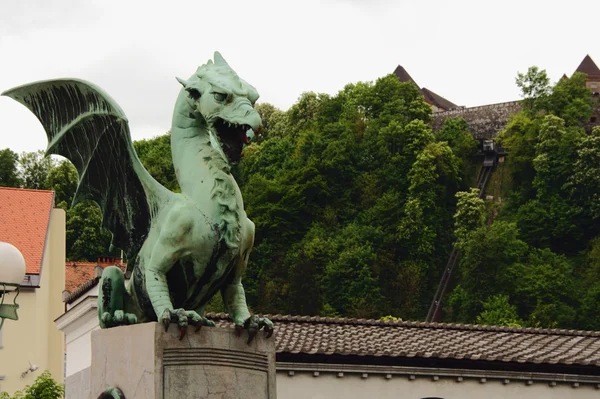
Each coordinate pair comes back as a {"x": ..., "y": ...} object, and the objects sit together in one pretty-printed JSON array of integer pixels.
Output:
[{"x": 181, "y": 247}]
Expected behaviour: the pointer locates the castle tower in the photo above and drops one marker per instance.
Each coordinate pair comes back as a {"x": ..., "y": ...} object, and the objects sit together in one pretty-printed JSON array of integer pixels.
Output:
[
  {"x": 589, "y": 67},
  {"x": 437, "y": 102}
]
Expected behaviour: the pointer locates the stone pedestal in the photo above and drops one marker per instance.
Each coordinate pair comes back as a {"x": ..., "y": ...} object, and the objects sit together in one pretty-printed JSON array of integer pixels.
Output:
[{"x": 148, "y": 363}]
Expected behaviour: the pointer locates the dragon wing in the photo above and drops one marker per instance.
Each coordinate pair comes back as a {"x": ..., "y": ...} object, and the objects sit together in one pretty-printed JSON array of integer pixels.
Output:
[{"x": 86, "y": 126}]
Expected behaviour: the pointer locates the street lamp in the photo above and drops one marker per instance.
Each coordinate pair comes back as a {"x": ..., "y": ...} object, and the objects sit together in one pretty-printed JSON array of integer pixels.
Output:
[{"x": 12, "y": 272}]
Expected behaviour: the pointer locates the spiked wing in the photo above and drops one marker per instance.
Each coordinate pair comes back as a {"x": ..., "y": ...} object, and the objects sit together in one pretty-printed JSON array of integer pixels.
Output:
[{"x": 86, "y": 126}]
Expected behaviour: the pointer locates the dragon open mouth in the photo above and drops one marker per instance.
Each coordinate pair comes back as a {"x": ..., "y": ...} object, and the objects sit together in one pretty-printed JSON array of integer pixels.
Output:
[{"x": 232, "y": 138}]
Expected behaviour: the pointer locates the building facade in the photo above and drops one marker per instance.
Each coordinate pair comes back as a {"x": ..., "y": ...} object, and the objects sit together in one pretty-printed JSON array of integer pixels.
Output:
[
  {"x": 320, "y": 357},
  {"x": 29, "y": 221}
]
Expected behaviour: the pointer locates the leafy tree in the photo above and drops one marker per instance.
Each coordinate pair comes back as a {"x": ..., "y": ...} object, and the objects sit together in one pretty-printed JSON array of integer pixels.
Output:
[
  {"x": 275, "y": 122},
  {"x": 44, "y": 387},
  {"x": 63, "y": 180},
  {"x": 306, "y": 267},
  {"x": 86, "y": 239},
  {"x": 351, "y": 287},
  {"x": 498, "y": 311},
  {"x": 34, "y": 168},
  {"x": 327, "y": 193},
  {"x": 544, "y": 289},
  {"x": 357, "y": 204},
  {"x": 535, "y": 87},
  {"x": 519, "y": 138},
  {"x": 469, "y": 216},
  {"x": 9, "y": 172},
  {"x": 555, "y": 153},
  {"x": 571, "y": 100},
  {"x": 590, "y": 309},
  {"x": 432, "y": 176},
  {"x": 455, "y": 132},
  {"x": 583, "y": 181},
  {"x": 155, "y": 155},
  {"x": 483, "y": 268}
]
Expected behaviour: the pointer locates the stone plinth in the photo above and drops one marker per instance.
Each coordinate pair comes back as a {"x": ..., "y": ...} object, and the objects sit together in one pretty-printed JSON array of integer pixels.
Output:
[{"x": 148, "y": 363}]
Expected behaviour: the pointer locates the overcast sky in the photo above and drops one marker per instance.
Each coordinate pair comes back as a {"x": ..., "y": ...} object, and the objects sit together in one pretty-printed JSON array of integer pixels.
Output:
[{"x": 466, "y": 51}]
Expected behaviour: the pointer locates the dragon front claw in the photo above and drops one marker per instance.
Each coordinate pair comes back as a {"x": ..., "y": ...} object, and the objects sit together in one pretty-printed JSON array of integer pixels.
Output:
[
  {"x": 253, "y": 324},
  {"x": 184, "y": 318},
  {"x": 118, "y": 318}
]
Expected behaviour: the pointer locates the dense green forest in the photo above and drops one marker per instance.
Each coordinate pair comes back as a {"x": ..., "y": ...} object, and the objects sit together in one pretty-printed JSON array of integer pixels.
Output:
[{"x": 357, "y": 205}]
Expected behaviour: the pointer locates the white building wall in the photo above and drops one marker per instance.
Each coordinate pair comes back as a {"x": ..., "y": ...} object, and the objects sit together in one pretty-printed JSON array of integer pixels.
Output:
[
  {"x": 78, "y": 323},
  {"x": 79, "y": 347},
  {"x": 328, "y": 385}
]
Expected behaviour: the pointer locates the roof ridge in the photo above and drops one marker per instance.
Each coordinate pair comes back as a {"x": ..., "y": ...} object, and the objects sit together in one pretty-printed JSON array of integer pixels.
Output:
[
  {"x": 403, "y": 75},
  {"x": 421, "y": 324},
  {"x": 25, "y": 189},
  {"x": 74, "y": 262},
  {"x": 588, "y": 66},
  {"x": 450, "y": 105},
  {"x": 82, "y": 289}
]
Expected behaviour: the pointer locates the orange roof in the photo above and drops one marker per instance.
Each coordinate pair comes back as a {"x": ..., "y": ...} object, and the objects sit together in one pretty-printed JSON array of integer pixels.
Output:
[
  {"x": 24, "y": 219},
  {"x": 78, "y": 273}
]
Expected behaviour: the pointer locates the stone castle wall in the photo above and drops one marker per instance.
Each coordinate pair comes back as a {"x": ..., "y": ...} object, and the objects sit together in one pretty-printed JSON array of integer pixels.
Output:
[{"x": 485, "y": 122}]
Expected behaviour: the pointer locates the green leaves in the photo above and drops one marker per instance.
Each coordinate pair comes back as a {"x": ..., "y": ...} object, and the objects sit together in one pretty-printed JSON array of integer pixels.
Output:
[
  {"x": 86, "y": 239},
  {"x": 35, "y": 167},
  {"x": 469, "y": 216},
  {"x": 544, "y": 289},
  {"x": 352, "y": 199},
  {"x": 535, "y": 87},
  {"x": 549, "y": 223},
  {"x": 44, "y": 387},
  {"x": 497, "y": 311},
  {"x": 9, "y": 172},
  {"x": 155, "y": 155},
  {"x": 63, "y": 180}
]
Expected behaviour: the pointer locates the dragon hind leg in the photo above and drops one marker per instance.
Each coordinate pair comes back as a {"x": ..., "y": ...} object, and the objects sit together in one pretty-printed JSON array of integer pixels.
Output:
[{"x": 113, "y": 298}]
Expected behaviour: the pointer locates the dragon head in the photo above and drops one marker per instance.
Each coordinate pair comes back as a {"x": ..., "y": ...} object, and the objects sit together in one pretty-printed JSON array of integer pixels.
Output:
[{"x": 225, "y": 103}]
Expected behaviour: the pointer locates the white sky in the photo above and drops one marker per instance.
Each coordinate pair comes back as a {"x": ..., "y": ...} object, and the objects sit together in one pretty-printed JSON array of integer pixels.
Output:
[{"x": 467, "y": 51}]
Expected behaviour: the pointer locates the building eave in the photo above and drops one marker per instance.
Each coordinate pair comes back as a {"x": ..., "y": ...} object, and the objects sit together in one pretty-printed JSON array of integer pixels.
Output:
[{"x": 76, "y": 312}]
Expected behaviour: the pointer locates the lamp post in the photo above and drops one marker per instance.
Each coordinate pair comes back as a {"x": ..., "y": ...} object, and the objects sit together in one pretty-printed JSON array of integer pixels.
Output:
[{"x": 12, "y": 272}]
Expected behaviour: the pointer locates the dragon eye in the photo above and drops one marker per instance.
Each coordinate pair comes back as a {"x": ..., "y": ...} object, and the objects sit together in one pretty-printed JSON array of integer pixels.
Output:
[{"x": 220, "y": 97}]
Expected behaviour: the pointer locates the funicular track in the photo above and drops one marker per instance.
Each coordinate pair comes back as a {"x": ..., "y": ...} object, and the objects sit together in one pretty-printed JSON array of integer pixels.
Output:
[{"x": 489, "y": 163}]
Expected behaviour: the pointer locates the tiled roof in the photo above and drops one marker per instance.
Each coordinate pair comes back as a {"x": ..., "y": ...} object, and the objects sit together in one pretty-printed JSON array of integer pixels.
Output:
[
  {"x": 78, "y": 273},
  {"x": 430, "y": 96},
  {"x": 403, "y": 76},
  {"x": 24, "y": 218},
  {"x": 437, "y": 100},
  {"x": 338, "y": 336},
  {"x": 81, "y": 290},
  {"x": 589, "y": 67}
]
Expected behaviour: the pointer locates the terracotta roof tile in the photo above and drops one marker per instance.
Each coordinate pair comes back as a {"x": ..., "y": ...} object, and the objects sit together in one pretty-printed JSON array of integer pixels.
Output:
[
  {"x": 24, "y": 218},
  {"x": 81, "y": 290},
  {"x": 78, "y": 273},
  {"x": 327, "y": 336}
]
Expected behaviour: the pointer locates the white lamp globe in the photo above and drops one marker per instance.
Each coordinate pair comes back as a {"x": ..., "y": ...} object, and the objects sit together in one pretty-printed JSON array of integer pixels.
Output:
[{"x": 12, "y": 264}]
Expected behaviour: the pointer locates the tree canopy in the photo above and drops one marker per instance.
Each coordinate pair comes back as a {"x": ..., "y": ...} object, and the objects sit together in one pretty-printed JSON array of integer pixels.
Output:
[{"x": 358, "y": 204}]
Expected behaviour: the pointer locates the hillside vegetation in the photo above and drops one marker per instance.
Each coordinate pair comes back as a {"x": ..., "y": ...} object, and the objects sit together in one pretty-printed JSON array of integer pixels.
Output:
[{"x": 357, "y": 205}]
